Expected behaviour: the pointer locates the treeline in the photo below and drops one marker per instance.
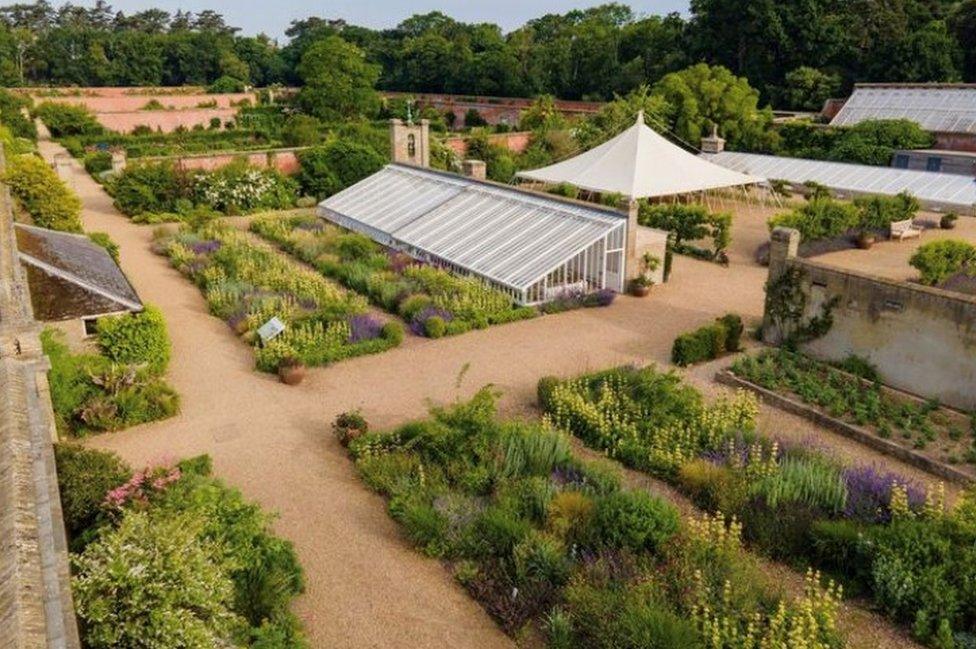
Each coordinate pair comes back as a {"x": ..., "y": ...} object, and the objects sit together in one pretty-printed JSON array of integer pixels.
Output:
[{"x": 796, "y": 52}]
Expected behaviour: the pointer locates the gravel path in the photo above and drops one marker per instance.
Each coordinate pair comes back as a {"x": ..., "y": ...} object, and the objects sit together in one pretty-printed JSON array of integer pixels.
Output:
[{"x": 366, "y": 586}]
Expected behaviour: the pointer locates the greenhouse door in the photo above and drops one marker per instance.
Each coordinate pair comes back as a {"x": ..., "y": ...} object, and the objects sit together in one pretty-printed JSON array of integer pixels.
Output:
[{"x": 615, "y": 270}]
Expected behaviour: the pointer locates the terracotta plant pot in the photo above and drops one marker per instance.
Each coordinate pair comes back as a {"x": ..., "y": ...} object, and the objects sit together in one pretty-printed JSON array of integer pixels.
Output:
[
  {"x": 865, "y": 241},
  {"x": 291, "y": 374},
  {"x": 639, "y": 290}
]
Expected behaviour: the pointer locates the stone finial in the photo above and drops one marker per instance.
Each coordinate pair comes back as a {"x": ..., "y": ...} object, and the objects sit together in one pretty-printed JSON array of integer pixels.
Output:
[
  {"x": 119, "y": 161},
  {"x": 713, "y": 143}
]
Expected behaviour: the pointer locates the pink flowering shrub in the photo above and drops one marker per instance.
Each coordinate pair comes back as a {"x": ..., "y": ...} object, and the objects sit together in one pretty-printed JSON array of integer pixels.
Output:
[{"x": 139, "y": 489}]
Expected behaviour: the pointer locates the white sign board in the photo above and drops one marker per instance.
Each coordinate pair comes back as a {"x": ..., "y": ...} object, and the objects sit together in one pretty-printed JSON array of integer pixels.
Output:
[{"x": 270, "y": 329}]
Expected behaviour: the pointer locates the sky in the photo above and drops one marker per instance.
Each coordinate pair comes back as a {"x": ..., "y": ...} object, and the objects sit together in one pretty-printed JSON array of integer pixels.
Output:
[{"x": 272, "y": 17}]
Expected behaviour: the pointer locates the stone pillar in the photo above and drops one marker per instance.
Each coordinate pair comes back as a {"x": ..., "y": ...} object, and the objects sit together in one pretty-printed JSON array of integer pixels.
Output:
[
  {"x": 410, "y": 143},
  {"x": 713, "y": 143},
  {"x": 475, "y": 169},
  {"x": 62, "y": 166},
  {"x": 783, "y": 246},
  {"x": 119, "y": 161},
  {"x": 631, "y": 262}
]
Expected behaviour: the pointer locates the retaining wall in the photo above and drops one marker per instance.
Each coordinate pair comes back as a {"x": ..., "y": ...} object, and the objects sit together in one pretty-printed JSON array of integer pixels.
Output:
[
  {"x": 284, "y": 160},
  {"x": 516, "y": 142}
]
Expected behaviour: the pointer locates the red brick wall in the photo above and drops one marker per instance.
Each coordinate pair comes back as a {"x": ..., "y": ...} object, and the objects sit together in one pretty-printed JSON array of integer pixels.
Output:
[
  {"x": 495, "y": 110},
  {"x": 164, "y": 120},
  {"x": 116, "y": 103},
  {"x": 956, "y": 141},
  {"x": 516, "y": 142}
]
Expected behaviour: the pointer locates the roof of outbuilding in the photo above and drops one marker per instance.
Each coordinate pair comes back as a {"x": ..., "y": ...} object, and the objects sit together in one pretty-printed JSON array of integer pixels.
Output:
[
  {"x": 504, "y": 234},
  {"x": 70, "y": 276},
  {"x": 941, "y": 108}
]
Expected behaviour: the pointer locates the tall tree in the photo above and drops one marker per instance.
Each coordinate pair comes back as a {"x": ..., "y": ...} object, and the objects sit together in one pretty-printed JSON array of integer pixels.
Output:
[{"x": 339, "y": 82}]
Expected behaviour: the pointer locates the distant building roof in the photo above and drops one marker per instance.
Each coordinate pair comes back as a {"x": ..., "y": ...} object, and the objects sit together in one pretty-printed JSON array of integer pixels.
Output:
[
  {"x": 71, "y": 277},
  {"x": 935, "y": 191},
  {"x": 506, "y": 235},
  {"x": 940, "y": 108}
]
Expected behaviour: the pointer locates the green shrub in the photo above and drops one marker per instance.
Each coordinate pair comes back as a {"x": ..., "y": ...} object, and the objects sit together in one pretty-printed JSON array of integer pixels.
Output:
[
  {"x": 712, "y": 487},
  {"x": 836, "y": 547},
  {"x": 328, "y": 169},
  {"x": 239, "y": 188},
  {"x": 540, "y": 557},
  {"x": 435, "y": 327},
  {"x": 936, "y": 261},
  {"x": 97, "y": 162},
  {"x": 708, "y": 342},
  {"x": 393, "y": 332},
  {"x": 811, "y": 481},
  {"x": 136, "y": 339},
  {"x": 819, "y": 218},
  {"x": 226, "y": 85},
  {"x": 48, "y": 200},
  {"x": 12, "y": 105},
  {"x": 531, "y": 450},
  {"x": 879, "y": 212},
  {"x": 543, "y": 391},
  {"x": 301, "y": 130},
  {"x": 152, "y": 187},
  {"x": 634, "y": 520},
  {"x": 178, "y": 597},
  {"x": 64, "y": 120},
  {"x": 85, "y": 476},
  {"x": 689, "y": 223}
]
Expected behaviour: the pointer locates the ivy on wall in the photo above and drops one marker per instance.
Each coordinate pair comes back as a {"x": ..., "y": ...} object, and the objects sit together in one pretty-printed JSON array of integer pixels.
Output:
[{"x": 786, "y": 302}]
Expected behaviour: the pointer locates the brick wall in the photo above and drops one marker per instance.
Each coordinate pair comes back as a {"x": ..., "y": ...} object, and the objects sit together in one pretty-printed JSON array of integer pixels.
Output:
[
  {"x": 921, "y": 339},
  {"x": 120, "y": 103},
  {"x": 164, "y": 120},
  {"x": 495, "y": 110},
  {"x": 516, "y": 142}
]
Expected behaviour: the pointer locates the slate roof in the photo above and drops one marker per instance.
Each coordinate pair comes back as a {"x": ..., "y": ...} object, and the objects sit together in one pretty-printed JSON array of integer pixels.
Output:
[{"x": 71, "y": 277}]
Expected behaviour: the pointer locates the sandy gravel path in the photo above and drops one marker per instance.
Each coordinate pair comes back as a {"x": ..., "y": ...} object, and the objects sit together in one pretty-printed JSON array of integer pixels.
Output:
[{"x": 366, "y": 586}]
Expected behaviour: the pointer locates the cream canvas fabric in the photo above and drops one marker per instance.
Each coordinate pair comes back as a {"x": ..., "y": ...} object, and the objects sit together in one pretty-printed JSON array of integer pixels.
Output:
[{"x": 639, "y": 163}]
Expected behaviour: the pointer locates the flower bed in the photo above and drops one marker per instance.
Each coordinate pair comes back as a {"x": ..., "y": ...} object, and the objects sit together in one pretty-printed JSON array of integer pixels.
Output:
[
  {"x": 434, "y": 301},
  {"x": 171, "y": 557},
  {"x": 246, "y": 284},
  {"x": 555, "y": 549},
  {"x": 120, "y": 387},
  {"x": 944, "y": 435},
  {"x": 796, "y": 502}
]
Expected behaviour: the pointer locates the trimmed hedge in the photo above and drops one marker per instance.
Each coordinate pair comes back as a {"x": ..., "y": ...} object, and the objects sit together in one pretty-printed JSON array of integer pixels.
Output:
[
  {"x": 49, "y": 201},
  {"x": 136, "y": 339},
  {"x": 67, "y": 119},
  {"x": 708, "y": 342},
  {"x": 937, "y": 261}
]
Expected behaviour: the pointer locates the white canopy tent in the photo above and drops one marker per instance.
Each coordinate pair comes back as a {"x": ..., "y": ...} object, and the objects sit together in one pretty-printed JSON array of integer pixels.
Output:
[{"x": 640, "y": 163}]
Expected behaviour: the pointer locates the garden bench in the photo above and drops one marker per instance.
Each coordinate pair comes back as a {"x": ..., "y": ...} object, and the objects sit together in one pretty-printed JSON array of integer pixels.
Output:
[{"x": 906, "y": 229}]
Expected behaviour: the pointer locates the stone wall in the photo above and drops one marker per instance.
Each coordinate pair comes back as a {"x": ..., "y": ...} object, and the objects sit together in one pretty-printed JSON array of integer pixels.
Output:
[
  {"x": 284, "y": 160},
  {"x": 921, "y": 339},
  {"x": 36, "y": 608}
]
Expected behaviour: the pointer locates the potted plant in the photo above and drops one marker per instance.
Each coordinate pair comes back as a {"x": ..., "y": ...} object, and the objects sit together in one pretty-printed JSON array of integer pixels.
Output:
[
  {"x": 348, "y": 426},
  {"x": 291, "y": 371},
  {"x": 865, "y": 239},
  {"x": 641, "y": 285},
  {"x": 948, "y": 221}
]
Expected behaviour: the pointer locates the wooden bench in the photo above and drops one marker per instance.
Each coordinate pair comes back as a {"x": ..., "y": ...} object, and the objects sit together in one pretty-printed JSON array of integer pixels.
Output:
[{"x": 906, "y": 229}]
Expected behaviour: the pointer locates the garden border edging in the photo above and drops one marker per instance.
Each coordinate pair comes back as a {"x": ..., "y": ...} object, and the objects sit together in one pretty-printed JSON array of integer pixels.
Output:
[{"x": 851, "y": 431}]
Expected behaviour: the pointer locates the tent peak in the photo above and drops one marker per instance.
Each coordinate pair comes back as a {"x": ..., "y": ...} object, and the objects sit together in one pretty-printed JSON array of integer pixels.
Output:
[{"x": 640, "y": 116}]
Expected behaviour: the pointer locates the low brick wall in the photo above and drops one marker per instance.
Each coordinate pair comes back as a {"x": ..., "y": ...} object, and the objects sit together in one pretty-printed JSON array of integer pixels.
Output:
[
  {"x": 284, "y": 160},
  {"x": 516, "y": 142},
  {"x": 120, "y": 103},
  {"x": 495, "y": 110},
  {"x": 164, "y": 120}
]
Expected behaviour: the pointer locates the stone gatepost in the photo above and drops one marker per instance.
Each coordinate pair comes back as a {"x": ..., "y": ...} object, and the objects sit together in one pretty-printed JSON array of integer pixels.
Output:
[
  {"x": 475, "y": 169},
  {"x": 783, "y": 246},
  {"x": 119, "y": 161},
  {"x": 631, "y": 263},
  {"x": 62, "y": 166}
]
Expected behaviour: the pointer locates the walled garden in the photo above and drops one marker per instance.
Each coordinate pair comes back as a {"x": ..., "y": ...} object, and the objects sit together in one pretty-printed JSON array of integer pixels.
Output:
[
  {"x": 246, "y": 283},
  {"x": 170, "y": 556},
  {"x": 884, "y": 536},
  {"x": 560, "y": 554}
]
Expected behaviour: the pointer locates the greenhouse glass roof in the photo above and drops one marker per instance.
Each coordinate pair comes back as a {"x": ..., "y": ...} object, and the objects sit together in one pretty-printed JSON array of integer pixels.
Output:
[
  {"x": 938, "y": 191},
  {"x": 504, "y": 234},
  {"x": 939, "y": 108}
]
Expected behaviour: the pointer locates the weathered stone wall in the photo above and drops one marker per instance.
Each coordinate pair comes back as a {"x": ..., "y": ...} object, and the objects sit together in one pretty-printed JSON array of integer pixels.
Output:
[
  {"x": 921, "y": 339},
  {"x": 36, "y": 608},
  {"x": 284, "y": 160}
]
